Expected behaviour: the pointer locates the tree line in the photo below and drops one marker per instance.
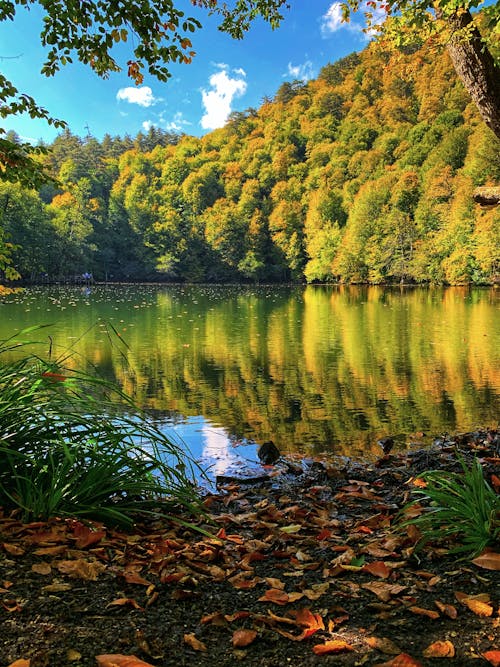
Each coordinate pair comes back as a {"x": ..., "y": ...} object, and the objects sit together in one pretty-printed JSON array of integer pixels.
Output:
[{"x": 365, "y": 174}]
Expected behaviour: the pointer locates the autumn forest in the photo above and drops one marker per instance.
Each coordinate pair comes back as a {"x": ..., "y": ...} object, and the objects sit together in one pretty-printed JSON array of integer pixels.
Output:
[{"x": 365, "y": 174}]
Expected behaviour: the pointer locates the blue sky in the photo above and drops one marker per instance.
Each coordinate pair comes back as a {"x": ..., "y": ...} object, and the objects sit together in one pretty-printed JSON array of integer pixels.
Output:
[{"x": 226, "y": 75}]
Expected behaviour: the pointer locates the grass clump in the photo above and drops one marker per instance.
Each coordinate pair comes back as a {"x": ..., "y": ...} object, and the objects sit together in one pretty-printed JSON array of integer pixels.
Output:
[
  {"x": 459, "y": 507},
  {"x": 73, "y": 444}
]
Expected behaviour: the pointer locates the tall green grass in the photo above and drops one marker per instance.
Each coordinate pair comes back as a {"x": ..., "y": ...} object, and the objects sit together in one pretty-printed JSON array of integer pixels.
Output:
[
  {"x": 73, "y": 444},
  {"x": 461, "y": 510}
]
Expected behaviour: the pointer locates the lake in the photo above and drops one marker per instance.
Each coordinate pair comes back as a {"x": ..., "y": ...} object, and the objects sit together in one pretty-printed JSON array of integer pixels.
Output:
[{"x": 316, "y": 369}]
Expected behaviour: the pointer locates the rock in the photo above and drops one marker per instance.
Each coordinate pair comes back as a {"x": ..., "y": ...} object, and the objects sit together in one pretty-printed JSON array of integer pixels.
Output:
[
  {"x": 268, "y": 453},
  {"x": 386, "y": 443}
]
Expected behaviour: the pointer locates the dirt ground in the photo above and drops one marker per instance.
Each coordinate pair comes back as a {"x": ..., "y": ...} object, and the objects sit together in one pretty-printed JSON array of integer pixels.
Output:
[{"x": 310, "y": 562}]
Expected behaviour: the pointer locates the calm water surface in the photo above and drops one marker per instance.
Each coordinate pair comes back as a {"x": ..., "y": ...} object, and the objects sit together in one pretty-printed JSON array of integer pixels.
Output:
[{"x": 315, "y": 369}]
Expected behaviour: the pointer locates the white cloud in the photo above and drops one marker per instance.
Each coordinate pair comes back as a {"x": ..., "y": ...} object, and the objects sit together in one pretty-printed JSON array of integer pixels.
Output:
[
  {"x": 177, "y": 123},
  {"x": 217, "y": 102},
  {"x": 304, "y": 72},
  {"x": 332, "y": 20},
  {"x": 147, "y": 125},
  {"x": 142, "y": 96}
]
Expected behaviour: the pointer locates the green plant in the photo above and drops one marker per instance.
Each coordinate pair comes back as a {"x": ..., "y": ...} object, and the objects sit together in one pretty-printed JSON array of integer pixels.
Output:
[
  {"x": 73, "y": 444},
  {"x": 460, "y": 507}
]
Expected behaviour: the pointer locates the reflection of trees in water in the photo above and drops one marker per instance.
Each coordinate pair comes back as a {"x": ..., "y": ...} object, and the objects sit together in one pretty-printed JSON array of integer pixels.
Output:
[{"x": 315, "y": 366}]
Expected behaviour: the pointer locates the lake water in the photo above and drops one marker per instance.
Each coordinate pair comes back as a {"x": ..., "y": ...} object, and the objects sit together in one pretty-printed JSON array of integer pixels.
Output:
[{"x": 315, "y": 369}]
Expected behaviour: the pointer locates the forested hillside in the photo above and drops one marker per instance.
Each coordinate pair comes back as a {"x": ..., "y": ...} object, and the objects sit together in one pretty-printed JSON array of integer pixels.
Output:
[{"x": 363, "y": 175}]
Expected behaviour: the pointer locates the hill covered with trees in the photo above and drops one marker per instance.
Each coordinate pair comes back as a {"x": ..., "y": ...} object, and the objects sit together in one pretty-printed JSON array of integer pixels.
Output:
[{"x": 365, "y": 174}]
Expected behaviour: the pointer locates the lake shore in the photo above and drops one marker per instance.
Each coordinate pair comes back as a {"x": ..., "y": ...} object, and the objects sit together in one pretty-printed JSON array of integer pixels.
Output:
[{"x": 291, "y": 569}]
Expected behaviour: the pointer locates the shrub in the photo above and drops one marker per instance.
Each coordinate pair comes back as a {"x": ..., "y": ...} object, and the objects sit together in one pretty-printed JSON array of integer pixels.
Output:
[
  {"x": 72, "y": 444},
  {"x": 461, "y": 507}
]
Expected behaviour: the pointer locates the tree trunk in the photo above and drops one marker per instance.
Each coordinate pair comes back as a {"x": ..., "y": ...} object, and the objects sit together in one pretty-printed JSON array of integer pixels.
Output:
[{"x": 476, "y": 68}]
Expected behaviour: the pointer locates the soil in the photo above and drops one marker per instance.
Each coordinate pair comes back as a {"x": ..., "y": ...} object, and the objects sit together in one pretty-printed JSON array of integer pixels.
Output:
[{"x": 312, "y": 556}]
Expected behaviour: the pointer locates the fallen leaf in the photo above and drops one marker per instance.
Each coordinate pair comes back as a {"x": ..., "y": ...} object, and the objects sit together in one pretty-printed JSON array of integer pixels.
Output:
[
  {"x": 243, "y": 638},
  {"x": 384, "y": 591},
  {"x": 290, "y": 530},
  {"x": 447, "y": 609},
  {"x": 439, "y": 649},
  {"x": 81, "y": 569},
  {"x": 492, "y": 657},
  {"x": 195, "y": 643},
  {"x": 13, "y": 549},
  {"x": 72, "y": 655},
  {"x": 378, "y": 568},
  {"x": 384, "y": 645},
  {"x": 133, "y": 577},
  {"x": 20, "y": 663},
  {"x": 489, "y": 560},
  {"x": 56, "y": 587},
  {"x": 332, "y": 646},
  {"x": 420, "y": 611},
  {"x": 275, "y": 583},
  {"x": 85, "y": 536},
  {"x": 477, "y": 607},
  {"x": 121, "y": 602},
  {"x": 118, "y": 660},
  {"x": 41, "y": 568},
  {"x": 275, "y": 595},
  {"x": 402, "y": 660}
]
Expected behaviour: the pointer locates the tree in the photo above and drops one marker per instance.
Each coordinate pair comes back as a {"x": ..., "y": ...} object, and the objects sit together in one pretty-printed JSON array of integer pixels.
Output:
[{"x": 469, "y": 38}]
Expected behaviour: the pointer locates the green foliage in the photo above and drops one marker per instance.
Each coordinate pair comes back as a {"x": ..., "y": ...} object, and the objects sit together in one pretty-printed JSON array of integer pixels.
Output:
[
  {"x": 353, "y": 177},
  {"x": 72, "y": 444},
  {"x": 461, "y": 509}
]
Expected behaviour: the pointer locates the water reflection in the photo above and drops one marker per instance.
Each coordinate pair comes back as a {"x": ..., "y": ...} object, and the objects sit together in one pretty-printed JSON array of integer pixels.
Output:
[{"x": 311, "y": 368}]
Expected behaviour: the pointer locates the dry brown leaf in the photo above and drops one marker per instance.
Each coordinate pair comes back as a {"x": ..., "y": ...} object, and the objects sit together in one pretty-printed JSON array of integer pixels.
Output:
[
  {"x": 402, "y": 660},
  {"x": 133, "y": 577},
  {"x": 121, "y": 602},
  {"x": 13, "y": 549},
  {"x": 420, "y": 611},
  {"x": 275, "y": 583},
  {"x": 439, "y": 649},
  {"x": 489, "y": 560},
  {"x": 41, "y": 568},
  {"x": 493, "y": 657},
  {"x": 447, "y": 609},
  {"x": 384, "y": 591},
  {"x": 384, "y": 645},
  {"x": 20, "y": 663},
  {"x": 56, "y": 587},
  {"x": 275, "y": 595},
  {"x": 332, "y": 646},
  {"x": 51, "y": 551},
  {"x": 378, "y": 568},
  {"x": 191, "y": 640},
  {"x": 81, "y": 569},
  {"x": 118, "y": 660},
  {"x": 481, "y": 597},
  {"x": 242, "y": 638}
]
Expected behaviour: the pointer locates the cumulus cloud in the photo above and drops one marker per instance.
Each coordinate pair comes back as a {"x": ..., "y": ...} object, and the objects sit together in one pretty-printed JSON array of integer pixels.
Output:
[
  {"x": 177, "y": 124},
  {"x": 217, "y": 101},
  {"x": 143, "y": 96},
  {"x": 304, "y": 72},
  {"x": 332, "y": 21}
]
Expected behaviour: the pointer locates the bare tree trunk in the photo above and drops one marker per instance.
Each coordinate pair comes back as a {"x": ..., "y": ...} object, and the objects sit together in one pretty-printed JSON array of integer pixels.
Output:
[{"x": 476, "y": 68}]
